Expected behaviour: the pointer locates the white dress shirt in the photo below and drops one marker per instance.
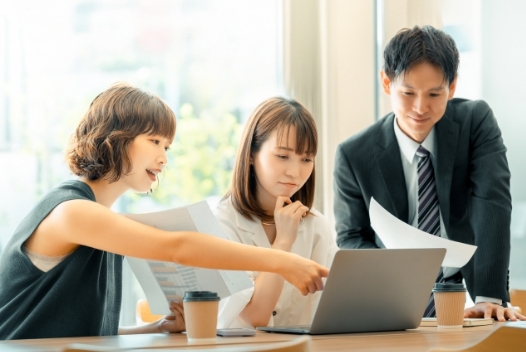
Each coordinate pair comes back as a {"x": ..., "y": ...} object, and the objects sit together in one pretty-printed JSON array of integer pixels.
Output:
[
  {"x": 315, "y": 241},
  {"x": 408, "y": 148}
]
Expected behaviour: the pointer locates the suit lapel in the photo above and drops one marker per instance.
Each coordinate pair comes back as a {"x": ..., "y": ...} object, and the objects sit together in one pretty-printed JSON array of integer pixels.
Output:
[
  {"x": 446, "y": 141},
  {"x": 390, "y": 166}
]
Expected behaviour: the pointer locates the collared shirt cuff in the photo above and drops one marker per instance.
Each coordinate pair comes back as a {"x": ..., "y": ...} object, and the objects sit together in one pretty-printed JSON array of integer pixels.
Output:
[{"x": 480, "y": 299}]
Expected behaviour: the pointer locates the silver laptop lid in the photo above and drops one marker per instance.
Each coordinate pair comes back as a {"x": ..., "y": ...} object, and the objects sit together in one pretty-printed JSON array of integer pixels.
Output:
[{"x": 377, "y": 290}]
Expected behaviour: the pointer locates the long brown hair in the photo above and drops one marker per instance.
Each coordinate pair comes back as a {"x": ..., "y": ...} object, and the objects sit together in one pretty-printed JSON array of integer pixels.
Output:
[
  {"x": 274, "y": 114},
  {"x": 99, "y": 146}
]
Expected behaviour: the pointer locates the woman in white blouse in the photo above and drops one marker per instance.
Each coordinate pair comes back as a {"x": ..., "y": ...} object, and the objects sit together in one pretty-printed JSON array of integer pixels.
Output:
[{"x": 269, "y": 205}]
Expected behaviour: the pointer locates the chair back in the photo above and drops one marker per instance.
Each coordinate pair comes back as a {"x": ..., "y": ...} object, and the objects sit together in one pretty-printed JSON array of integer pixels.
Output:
[
  {"x": 299, "y": 344},
  {"x": 508, "y": 337},
  {"x": 143, "y": 314}
]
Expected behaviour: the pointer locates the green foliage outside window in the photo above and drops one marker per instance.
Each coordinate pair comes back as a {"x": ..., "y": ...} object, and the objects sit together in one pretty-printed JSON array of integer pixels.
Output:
[{"x": 201, "y": 159}]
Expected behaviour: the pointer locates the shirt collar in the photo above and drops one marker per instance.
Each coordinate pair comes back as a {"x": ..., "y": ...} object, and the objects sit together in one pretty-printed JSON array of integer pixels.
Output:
[{"x": 408, "y": 146}]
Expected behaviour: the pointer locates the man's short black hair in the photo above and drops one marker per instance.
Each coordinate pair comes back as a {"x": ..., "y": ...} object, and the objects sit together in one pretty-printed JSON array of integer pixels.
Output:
[{"x": 421, "y": 44}]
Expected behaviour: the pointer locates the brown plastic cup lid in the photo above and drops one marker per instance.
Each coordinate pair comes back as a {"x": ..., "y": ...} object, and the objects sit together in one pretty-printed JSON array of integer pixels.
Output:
[
  {"x": 445, "y": 287},
  {"x": 195, "y": 296}
]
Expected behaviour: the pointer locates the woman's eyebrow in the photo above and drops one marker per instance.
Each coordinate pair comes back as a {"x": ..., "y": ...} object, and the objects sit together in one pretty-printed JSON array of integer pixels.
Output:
[{"x": 285, "y": 148}]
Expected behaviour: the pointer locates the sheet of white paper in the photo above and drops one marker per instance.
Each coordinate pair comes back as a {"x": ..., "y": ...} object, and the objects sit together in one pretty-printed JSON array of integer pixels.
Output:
[
  {"x": 209, "y": 225},
  {"x": 149, "y": 284},
  {"x": 165, "y": 281},
  {"x": 397, "y": 234}
]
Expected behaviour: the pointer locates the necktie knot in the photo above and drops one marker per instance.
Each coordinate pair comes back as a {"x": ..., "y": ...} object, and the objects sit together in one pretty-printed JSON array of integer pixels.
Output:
[{"x": 422, "y": 152}]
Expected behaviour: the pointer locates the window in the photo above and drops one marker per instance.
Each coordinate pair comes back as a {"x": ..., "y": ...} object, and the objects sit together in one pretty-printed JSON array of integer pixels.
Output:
[
  {"x": 211, "y": 61},
  {"x": 491, "y": 68}
]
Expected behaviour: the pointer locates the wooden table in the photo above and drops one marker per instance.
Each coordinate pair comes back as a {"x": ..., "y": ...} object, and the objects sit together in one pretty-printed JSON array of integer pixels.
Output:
[{"x": 420, "y": 339}]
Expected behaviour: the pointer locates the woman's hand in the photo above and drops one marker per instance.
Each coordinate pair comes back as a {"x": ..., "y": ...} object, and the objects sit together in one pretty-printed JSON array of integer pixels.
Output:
[
  {"x": 170, "y": 323},
  {"x": 287, "y": 216},
  {"x": 175, "y": 321},
  {"x": 306, "y": 275}
]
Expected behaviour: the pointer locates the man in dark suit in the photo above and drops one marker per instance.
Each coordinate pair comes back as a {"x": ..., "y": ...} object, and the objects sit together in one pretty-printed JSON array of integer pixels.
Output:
[{"x": 464, "y": 143}]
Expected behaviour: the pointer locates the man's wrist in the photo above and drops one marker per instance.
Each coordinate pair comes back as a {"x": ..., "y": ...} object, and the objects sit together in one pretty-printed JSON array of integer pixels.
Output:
[{"x": 483, "y": 299}]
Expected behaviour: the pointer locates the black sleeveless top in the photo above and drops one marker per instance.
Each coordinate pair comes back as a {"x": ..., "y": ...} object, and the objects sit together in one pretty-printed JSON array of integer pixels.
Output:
[{"x": 80, "y": 296}]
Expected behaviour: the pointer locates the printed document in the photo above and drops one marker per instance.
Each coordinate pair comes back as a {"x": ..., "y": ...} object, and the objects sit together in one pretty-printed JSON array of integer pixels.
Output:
[
  {"x": 163, "y": 282},
  {"x": 395, "y": 233}
]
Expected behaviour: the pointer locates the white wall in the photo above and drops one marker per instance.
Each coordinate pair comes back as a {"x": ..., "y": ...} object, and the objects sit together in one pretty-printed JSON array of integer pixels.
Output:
[{"x": 337, "y": 82}]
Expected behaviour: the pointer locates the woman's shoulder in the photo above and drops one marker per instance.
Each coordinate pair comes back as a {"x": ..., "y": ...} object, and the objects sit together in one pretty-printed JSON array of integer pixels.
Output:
[
  {"x": 226, "y": 214},
  {"x": 71, "y": 189},
  {"x": 68, "y": 190},
  {"x": 318, "y": 223},
  {"x": 316, "y": 216},
  {"x": 224, "y": 208},
  {"x": 316, "y": 212},
  {"x": 235, "y": 225}
]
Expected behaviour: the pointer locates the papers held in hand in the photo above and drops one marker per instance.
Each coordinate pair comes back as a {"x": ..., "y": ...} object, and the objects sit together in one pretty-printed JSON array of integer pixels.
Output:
[
  {"x": 395, "y": 233},
  {"x": 163, "y": 282}
]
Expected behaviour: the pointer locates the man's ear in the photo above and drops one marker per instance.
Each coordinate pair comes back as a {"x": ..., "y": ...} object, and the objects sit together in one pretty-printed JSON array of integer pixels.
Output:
[
  {"x": 452, "y": 88},
  {"x": 386, "y": 82}
]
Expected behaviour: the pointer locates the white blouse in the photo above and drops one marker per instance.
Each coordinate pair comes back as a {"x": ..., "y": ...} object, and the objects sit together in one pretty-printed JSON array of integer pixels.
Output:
[{"x": 315, "y": 241}]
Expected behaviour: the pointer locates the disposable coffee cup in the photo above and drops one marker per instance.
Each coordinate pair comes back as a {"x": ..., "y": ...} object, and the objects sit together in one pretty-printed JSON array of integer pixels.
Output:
[
  {"x": 450, "y": 300},
  {"x": 200, "y": 314}
]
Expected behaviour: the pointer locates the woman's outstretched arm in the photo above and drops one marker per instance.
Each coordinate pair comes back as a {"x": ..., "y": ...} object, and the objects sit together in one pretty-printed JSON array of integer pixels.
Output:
[{"x": 81, "y": 222}]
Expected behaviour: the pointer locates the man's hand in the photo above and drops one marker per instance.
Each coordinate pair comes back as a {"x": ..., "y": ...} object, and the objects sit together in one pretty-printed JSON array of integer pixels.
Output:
[{"x": 493, "y": 310}]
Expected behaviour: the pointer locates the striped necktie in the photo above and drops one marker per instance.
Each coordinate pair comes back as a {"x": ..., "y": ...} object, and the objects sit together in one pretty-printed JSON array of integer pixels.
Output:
[{"x": 428, "y": 210}]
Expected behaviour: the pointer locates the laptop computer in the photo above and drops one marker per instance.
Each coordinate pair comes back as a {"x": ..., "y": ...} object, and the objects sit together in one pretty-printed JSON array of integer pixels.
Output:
[{"x": 373, "y": 290}]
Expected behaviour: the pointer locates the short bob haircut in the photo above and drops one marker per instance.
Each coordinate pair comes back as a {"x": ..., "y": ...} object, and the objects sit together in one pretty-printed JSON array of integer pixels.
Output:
[
  {"x": 99, "y": 146},
  {"x": 410, "y": 47},
  {"x": 274, "y": 114}
]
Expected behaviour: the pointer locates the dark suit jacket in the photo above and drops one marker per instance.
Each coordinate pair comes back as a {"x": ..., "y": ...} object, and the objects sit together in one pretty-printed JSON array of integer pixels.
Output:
[{"x": 472, "y": 180}]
